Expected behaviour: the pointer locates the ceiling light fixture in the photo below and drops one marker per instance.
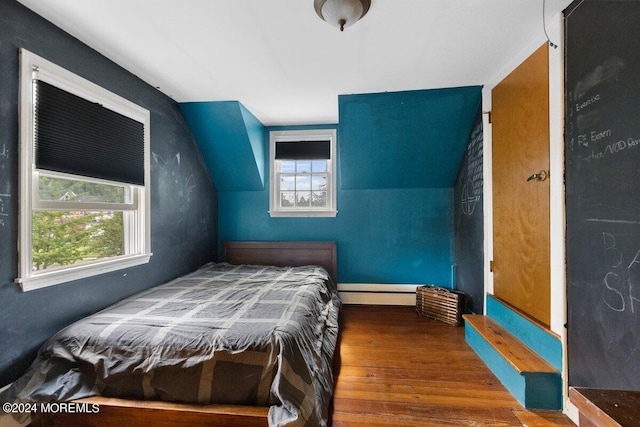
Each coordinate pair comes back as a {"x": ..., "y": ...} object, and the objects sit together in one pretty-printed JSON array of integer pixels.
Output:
[{"x": 341, "y": 13}]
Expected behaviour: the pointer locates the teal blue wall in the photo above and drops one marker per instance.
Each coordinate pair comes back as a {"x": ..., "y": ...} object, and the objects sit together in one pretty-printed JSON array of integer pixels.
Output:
[
  {"x": 231, "y": 142},
  {"x": 411, "y": 139},
  {"x": 398, "y": 157},
  {"x": 383, "y": 236}
]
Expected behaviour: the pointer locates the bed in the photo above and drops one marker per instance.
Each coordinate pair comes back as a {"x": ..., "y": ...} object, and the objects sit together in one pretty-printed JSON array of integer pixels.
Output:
[{"x": 248, "y": 341}]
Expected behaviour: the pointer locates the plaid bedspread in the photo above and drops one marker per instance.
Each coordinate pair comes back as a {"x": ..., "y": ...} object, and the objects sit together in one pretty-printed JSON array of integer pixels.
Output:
[{"x": 248, "y": 335}]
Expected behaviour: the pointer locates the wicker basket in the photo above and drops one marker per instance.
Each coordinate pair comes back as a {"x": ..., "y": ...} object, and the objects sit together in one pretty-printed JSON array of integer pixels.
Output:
[{"x": 440, "y": 304}]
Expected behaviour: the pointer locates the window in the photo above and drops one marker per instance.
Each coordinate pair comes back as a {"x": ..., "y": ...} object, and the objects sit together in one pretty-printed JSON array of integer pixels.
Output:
[
  {"x": 303, "y": 173},
  {"x": 84, "y": 177}
]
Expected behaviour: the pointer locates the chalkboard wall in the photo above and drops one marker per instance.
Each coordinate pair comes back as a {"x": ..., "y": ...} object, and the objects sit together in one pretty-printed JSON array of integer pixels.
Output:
[
  {"x": 469, "y": 222},
  {"x": 603, "y": 193},
  {"x": 183, "y": 198}
]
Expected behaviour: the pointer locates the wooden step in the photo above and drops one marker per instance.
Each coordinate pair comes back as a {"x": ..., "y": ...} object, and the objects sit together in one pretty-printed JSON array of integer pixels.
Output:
[
  {"x": 519, "y": 356},
  {"x": 531, "y": 379},
  {"x": 537, "y": 337},
  {"x": 606, "y": 408}
]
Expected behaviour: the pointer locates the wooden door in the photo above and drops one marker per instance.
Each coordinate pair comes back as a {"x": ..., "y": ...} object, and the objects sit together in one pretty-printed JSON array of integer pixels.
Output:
[{"x": 520, "y": 136}]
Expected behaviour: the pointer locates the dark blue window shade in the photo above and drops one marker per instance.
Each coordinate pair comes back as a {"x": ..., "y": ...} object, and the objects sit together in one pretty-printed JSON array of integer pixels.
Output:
[
  {"x": 303, "y": 150},
  {"x": 76, "y": 136}
]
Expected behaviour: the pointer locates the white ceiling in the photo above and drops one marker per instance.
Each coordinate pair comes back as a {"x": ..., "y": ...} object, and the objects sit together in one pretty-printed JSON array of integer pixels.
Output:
[{"x": 287, "y": 66}]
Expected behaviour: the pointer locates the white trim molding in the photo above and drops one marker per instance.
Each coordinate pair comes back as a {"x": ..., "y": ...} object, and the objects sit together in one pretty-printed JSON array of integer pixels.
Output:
[
  {"x": 136, "y": 211},
  {"x": 377, "y": 293},
  {"x": 275, "y": 210}
]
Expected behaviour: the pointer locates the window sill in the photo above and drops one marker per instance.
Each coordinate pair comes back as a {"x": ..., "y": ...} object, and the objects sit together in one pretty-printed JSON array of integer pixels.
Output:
[
  {"x": 55, "y": 277},
  {"x": 303, "y": 214}
]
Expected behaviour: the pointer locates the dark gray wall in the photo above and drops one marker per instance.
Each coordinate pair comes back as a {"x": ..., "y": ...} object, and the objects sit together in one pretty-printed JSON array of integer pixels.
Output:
[
  {"x": 602, "y": 173},
  {"x": 183, "y": 198},
  {"x": 469, "y": 222}
]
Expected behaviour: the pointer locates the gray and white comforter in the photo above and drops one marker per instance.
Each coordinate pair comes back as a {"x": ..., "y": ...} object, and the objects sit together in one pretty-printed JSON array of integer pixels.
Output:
[{"x": 249, "y": 335}]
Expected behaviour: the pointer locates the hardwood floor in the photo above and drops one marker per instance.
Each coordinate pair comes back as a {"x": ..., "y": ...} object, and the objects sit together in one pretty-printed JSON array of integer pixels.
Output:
[{"x": 397, "y": 368}]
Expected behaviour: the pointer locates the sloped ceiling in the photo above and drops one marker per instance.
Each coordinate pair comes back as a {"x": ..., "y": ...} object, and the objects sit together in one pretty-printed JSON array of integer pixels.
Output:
[
  {"x": 231, "y": 141},
  {"x": 409, "y": 139}
]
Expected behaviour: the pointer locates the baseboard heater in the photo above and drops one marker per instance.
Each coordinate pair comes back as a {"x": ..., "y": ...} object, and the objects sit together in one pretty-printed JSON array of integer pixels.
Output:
[{"x": 377, "y": 293}]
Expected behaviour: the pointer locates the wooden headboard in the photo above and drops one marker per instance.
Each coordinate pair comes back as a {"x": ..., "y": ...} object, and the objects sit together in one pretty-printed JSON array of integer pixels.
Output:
[{"x": 283, "y": 254}]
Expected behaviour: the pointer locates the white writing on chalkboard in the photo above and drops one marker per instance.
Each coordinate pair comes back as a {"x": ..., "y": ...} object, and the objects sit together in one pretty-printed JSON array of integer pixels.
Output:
[
  {"x": 3, "y": 209},
  {"x": 622, "y": 279},
  {"x": 611, "y": 149},
  {"x": 602, "y": 83},
  {"x": 5, "y": 188},
  {"x": 471, "y": 193},
  {"x": 595, "y": 136},
  {"x": 584, "y": 104},
  {"x": 469, "y": 200}
]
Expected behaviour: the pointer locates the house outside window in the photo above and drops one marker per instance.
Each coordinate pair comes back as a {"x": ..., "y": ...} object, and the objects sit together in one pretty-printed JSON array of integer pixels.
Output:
[
  {"x": 303, "y": 181},
  {"x": 84, "y": 177}
]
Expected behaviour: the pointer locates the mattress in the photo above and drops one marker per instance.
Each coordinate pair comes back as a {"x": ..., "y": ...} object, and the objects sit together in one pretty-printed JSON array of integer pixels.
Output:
[{"x": 233, "y": 334}]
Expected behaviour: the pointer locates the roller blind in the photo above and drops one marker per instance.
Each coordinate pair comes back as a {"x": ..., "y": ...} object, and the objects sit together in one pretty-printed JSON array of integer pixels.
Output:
[
  {"x": 76, "y": 136},
  {"x": 303, "y": 150}
]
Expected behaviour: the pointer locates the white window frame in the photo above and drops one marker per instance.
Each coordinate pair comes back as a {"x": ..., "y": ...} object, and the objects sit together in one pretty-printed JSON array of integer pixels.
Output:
[
  {"x": 275, "y": 210},
  {"x": 136, "y": 208}
]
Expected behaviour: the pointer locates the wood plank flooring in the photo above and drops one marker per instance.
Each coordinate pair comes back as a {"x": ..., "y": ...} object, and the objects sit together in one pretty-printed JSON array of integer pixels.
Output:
[{"x": 397, "y": 368}]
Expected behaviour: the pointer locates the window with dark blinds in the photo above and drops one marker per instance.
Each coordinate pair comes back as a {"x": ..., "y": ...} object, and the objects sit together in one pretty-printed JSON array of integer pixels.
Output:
[
  {"x": 76, "y": 136},
  {"x": 303, "y": 150}
]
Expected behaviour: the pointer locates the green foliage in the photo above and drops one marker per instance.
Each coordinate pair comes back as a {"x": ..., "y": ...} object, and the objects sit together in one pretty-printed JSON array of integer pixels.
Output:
[
  {"x": 68, "y": 237},
  {"x": 108, "y": 239},
  {"x": 60, "y": 238}
]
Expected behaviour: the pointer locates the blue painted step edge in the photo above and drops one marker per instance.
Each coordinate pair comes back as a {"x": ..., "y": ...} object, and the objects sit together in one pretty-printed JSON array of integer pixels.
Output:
[
  {"x": 532, "y": 390},
  {"x": 533, "y": 336}
]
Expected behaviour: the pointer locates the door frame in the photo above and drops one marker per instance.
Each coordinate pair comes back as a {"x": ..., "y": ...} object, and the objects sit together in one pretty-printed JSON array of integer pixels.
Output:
[
  {"x": 556, "y": 178},
  {"x": 556, "y": 182}
]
